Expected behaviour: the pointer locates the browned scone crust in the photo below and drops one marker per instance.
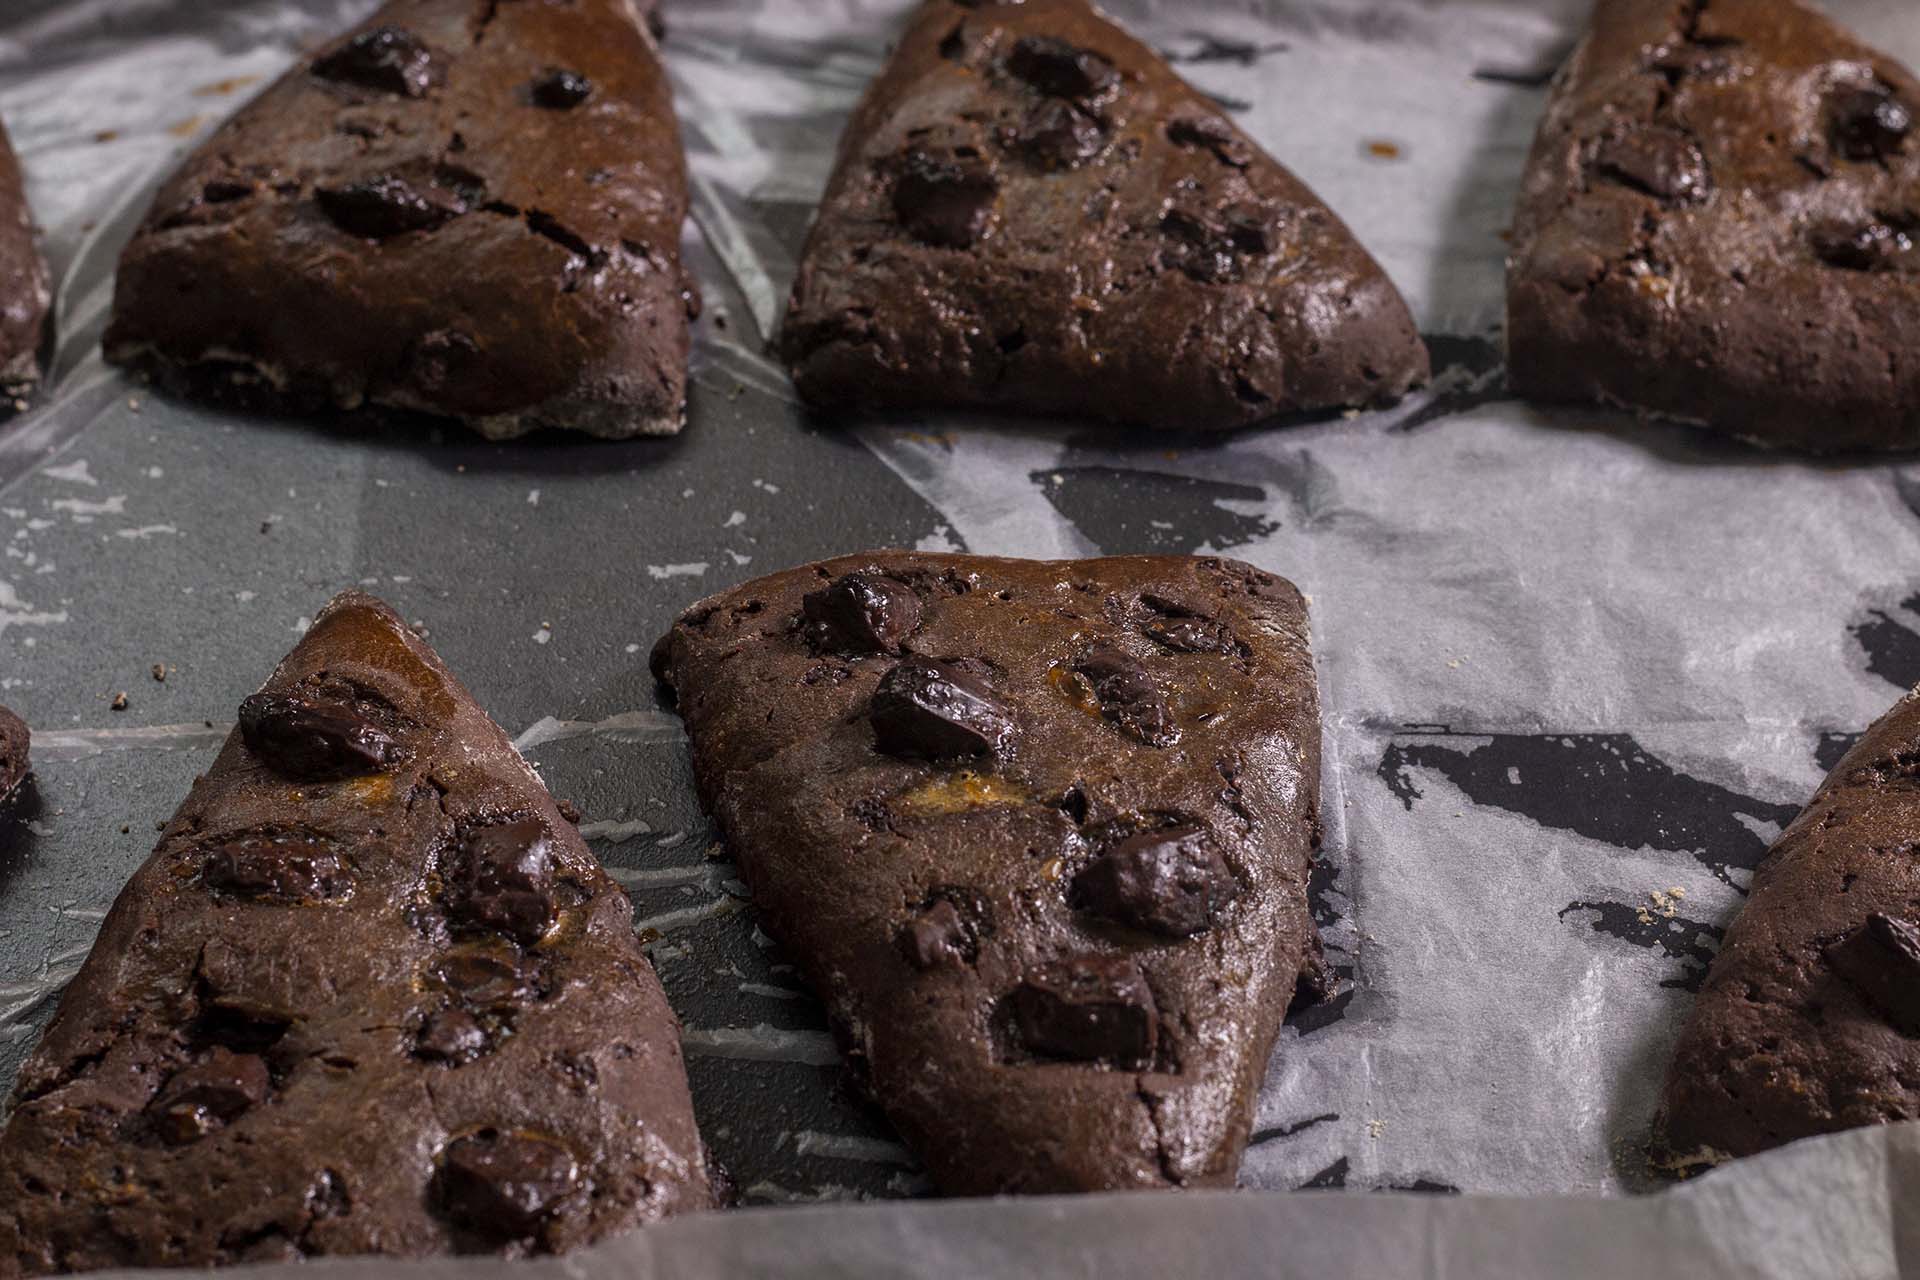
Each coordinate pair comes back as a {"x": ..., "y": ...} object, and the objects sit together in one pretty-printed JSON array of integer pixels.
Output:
[
  {"x": 1060, "y": 963},
  {"x": 14, "y": 741},
  {"x": 25, "y": 290},
  {"x": 1717, "y": 225},
  {"x": 1032, "y": 212},
  {"x": 462, "y": 207},
  {"x": 370, "y": 994},
  {"x": 1809, "y": 1020}
]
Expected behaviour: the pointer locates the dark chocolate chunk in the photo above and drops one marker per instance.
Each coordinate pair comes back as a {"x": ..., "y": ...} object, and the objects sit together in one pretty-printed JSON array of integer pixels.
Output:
[
  {"x": 936, "y": 710},
  {"x": 1171, "y": 882},
  {"x": 861, "y": 613},
  {"x": 1213, "y": 133},
  {"x": 486, "y": 977},
  {"x": 311, "y": 741},
  {"x": 559, "y": 89},
  {"x": 1869, "y": 123},
  {"x": 1191, "y": 635},
  {"x": 1659, "y": 160},
  {"x": 1882, "y": 959},
  {"x": 1058, "y": 135},
  {"x": 297, "y": 866},
  {"x": 945, "y": 203},
  {"x": 1087, "y": 1009},
  {"x": 937, "y": 937},
  {"x": 503, "y": 879},
  {"x": 1128, "y": 696},
  {"x": 1871, "y": 246},
  {"x": 198, "y": 1099},
  {"x": 388, "y": 205},
  {"x": 451, "y": 1035},
  {"x": 388, "y": 58},
  {"x": 505, "y": 1185},
  {"x": 1062, "y": 70}
]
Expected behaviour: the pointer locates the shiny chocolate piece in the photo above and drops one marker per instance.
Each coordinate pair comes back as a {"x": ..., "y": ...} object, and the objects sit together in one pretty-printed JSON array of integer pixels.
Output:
[
  {"x": 312, "y": 741},
  {"x": 1062, "y": 70},
  {"x": 561, "y": 90},
  {"x": 387, "y": 205},
  {"x": 505, "y": 1186},
  {"x": 861, "y": 613},
  {"x": 1172, "y": 882},
  {"x": 451, "y": 1035},
  {"x": 278, "y": 864},
  {"x": 388, "y": 58},
  {"x": 503, "y": 879},
  {"x": 1128, "y": 696},
  {"x": 1660, "y": 161},
  {"x": 936, "y": 711},
  {"x": 945, "y": 203},
  {"x": 1869, "y": 123},
  {"x": 1087, "y": 1009},
  {"x": 212, "y": 1093},
  {"x": 938, "y": 937}
]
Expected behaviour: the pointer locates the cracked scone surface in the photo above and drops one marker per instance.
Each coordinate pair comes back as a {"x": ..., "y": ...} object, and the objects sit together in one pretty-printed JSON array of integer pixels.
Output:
[
  {"x": 370, "y": 994},
  {"x": 1809, "y": 1019},
  {"x": 1718, "y": 224},
  {"x": 1031, "y": 211},
  {"x": 26, "y": 290},
  {"x": 461, "y": 207},
  {"x": 1039, "y": 835}
]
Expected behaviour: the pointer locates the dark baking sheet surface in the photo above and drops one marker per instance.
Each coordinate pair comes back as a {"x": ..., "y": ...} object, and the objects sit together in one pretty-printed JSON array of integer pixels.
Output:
[{"x": 1569, "y": 663}]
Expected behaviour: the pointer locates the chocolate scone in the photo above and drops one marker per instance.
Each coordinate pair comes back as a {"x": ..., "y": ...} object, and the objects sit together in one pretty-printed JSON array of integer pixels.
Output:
[
  {"x": 371, "y": 994},
  {"x": 462, "y": 207},
  {"x": 1038, "y": 833},
  {"x": 25, "y": 291},
  {"x": 1032, "y": 212},
  {"x": 14, "y": 741},
  {"x": 1809, "y": 1020},
  {"x": 1718, "y": 225}
]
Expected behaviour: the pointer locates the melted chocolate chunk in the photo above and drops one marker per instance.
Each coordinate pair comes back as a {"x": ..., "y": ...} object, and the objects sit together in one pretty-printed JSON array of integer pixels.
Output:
[
  {"x": 390, "y": 59},
  {"x": 1873, "y": 246},
  {"x": 939, "y": 937},
  {"x": 1062, "y": 70},
  {"x": 1128, "y": 697},
  {"x": 1213, "y": 133},
  {"x": 505, "y": 1185},
  {"x": 1658, "y": 160},
  {"x": 1882, "y": 960},
  {"x": 1087, "y": 1009},
  {"x": 1191, "y": 635},
  {"x": 451, "y": 1035},
  {"x": 1172, "y": 882},
  {"x": 310, "y": 741},
  {"x": 486, "y": 976},
  {"x": 560, "y": 90},
  {"x": 1868, "y": 123},
  {"x": 295, "y": 866},
  {"x": 503, "y": 879},
  {"x": 861, "y": 613},
  {"x": 937, "y": 710},
  {"x": 388, "y": 205},
  {"x": 945, "y": 203},
  {"x": 1058, "y": 135},
  {"x": 204, "y": 1097}
]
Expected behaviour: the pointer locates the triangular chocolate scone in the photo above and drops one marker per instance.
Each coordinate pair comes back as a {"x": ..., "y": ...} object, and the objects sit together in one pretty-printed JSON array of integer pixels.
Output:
[
  {"x": 371, "y": 994},
  {"x": 1718, "y": 224},
  {"x": 1032, "y": 212},
  {"x": 1809, "y": 1020},
  {"x": 1038, "y": 833},
  {"x": 25, "y": 293},
  {"x": 463, "y": 207}
]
